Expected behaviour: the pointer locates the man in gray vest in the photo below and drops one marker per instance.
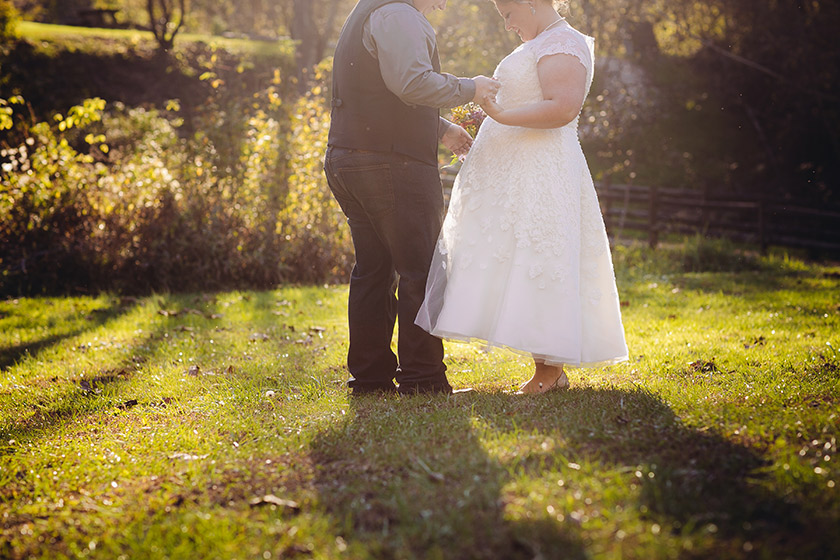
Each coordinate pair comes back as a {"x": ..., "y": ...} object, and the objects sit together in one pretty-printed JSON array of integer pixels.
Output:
[{"x": 382, "y": 166}]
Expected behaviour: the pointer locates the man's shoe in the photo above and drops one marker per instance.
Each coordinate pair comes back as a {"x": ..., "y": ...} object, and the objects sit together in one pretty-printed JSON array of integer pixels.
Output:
[
  {"x": 425, "y": 389},
  {"x": 360, "y": 389}
]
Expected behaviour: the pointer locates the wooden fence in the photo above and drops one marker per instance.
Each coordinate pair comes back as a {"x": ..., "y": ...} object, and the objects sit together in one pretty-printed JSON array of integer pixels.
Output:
[{"x": 659, "y": 211}]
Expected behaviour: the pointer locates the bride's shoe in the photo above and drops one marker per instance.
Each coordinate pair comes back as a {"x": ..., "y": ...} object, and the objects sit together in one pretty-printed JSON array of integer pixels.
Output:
[{"x": 560, "y": 384}]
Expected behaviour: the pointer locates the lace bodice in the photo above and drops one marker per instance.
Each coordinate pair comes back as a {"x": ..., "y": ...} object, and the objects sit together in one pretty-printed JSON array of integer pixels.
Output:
[
  {"x": 517, "y": 71},
  {"x": 512, "y": 161}
]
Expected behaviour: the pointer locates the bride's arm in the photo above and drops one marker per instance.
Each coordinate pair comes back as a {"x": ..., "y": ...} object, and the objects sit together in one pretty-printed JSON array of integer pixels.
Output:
[{"x": 563, "y": 82}]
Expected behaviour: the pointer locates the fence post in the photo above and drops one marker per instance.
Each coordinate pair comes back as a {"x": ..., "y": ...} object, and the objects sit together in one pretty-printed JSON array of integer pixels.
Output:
[
  {"x": 653, "y": 223},
  {"x": 762, "y": 223}
]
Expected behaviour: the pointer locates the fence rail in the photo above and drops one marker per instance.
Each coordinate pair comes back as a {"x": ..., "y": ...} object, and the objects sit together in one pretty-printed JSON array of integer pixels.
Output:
[{"x": 659, "y": 211}]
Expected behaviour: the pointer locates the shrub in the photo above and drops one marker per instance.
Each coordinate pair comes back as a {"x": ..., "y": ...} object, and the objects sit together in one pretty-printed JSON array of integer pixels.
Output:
[
  {"x": 128, "y": 200},
  {"x": 44, "y": 207},
  {"x": 704, "y": 254},
  {"x": 317, "y": 240},
  {"x": 8, "y": 23}
]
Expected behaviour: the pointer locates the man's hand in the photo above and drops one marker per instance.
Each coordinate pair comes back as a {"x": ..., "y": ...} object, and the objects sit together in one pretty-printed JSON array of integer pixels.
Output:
[
  {"x": 457, "y": 139},
  {"x": 485, "y": 88}
]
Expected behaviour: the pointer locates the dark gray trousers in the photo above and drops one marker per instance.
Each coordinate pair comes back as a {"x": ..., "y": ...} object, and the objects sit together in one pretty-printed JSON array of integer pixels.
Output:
[{"x": 394, "y": 206}]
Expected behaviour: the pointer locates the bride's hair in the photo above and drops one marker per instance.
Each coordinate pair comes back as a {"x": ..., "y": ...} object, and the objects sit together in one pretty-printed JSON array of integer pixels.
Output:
[{"x": 562, "y": 6}]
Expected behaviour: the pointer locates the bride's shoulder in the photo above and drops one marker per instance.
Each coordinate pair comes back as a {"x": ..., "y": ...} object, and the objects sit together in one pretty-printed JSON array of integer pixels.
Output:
[
  {"x": 563, "y": 39},
  {"x": 562, "y": 33}
]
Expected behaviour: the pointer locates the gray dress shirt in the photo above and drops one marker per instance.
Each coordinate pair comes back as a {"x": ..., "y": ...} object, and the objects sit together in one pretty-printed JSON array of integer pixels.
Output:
[{"x": 403, "y": 41}]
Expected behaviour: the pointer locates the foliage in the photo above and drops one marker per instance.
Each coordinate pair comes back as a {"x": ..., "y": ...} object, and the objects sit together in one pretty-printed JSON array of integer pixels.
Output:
[
  {"x": 165, "y": 20},
  {"x": 55, "y": 67},
  {"x": 8, "y": 22},
  {"x": 144, "y": 200},
  {"x": 756, "y": 88},
  {"x": 692, "y": 254},
  {"x": 716, "y": 255},
  {"x": 318, "y": 243},
  {"x": 44, "y": 207},
  {"x": 253, "y": 17},
  {"x": 56, "y": 11},
  {"x": 770, "y": 71},
  {"x": 157, "y": 426},
  {"x": 786, "y": 89},
  {"x": 473, "y": 48},
  {"x": 241, "y": 154},
  {"x": 763, "y": 78}
]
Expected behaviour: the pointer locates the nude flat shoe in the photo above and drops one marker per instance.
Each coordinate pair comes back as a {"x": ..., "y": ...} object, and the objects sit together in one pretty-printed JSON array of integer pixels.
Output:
[{"x": 560, "y": 384}]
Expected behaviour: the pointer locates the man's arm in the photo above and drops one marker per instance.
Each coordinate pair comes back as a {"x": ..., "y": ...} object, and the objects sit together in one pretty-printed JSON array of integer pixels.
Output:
[
  {"x": 403, "y": 41},
  {"x": 443, "y": 126}
]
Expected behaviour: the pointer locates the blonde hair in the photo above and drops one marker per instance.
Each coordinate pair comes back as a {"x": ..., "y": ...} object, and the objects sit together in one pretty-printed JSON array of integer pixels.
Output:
[{"x": 562, "y": 6}]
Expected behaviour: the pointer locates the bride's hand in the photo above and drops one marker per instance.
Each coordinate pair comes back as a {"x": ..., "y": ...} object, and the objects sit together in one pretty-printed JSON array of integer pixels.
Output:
[{"x": 491, "y": 107}]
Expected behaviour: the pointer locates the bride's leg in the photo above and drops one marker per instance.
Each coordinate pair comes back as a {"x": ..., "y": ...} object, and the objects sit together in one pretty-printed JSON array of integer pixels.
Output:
[{"x": 545, "y": 378}]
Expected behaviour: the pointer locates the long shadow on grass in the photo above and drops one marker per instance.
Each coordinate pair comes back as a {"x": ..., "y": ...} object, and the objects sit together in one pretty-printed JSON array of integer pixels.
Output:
[
  {"x": 451, "y": 477},
  {"x": 10, "y": 355},
  {"x": 687, "y": 480},
  {"x": 411, "y": 477},
  {"x": 52, "y": 402}
]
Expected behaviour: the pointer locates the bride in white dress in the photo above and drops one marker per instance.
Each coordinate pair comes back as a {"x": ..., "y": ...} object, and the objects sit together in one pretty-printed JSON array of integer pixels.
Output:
[{"x": 523, "y": 260}]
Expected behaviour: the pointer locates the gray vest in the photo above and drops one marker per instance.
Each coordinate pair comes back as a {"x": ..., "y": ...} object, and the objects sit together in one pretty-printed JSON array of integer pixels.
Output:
[{"x": 365, "y": 114}]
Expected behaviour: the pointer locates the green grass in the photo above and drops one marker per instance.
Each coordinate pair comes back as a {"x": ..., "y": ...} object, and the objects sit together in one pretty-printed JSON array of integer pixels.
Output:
[
  {"x": 91, "y": 39},
  {"x": 716, "y": 440}
]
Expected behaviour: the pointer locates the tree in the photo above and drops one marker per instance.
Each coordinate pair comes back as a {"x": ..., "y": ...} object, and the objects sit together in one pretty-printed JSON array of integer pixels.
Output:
[
  {"x": 52, "y": 11},
  {"x": 313, "y": 24},
  {"x": 165, "y": 20},
  {"x": 471, "y": 37},
  {"x": 777, "y": 65},
  {"x": 8, "y": 22},
  {"x": 253, "y": 18}
]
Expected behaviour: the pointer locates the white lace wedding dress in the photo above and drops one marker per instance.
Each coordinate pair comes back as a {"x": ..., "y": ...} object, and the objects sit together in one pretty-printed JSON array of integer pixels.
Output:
[{"x": 523, "y": 260}]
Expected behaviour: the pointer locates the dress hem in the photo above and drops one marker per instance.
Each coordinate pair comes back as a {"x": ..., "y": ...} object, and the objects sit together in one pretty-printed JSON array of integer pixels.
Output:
[{"x": 549, "y": 360}]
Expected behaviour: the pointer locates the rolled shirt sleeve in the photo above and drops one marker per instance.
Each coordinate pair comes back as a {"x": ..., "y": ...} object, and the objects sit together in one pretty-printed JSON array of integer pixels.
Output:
[
  {"x": 403, "y": 41},
  {"x": 443, "y": 126}
]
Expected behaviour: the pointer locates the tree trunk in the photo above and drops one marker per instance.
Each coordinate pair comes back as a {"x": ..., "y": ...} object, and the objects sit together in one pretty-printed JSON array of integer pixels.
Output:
[
  {"x": 304, "y": 32},
  {"x": 328, "y": 29},
  {"x": 163, "y": 25}
]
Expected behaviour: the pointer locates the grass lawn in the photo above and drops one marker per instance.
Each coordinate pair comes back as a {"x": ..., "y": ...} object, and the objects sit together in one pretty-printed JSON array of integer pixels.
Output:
[
  {"x": 92, "y": 39},
  {"x": 219, "y": 426}
]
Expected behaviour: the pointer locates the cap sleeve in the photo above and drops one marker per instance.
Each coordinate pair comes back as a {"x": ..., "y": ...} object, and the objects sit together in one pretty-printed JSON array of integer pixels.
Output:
[{"x": 566, "y": 41}]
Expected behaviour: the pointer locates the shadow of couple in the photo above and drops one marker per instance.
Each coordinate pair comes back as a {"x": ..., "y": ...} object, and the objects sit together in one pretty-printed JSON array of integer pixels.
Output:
[{"x": 488, "y": 475}]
